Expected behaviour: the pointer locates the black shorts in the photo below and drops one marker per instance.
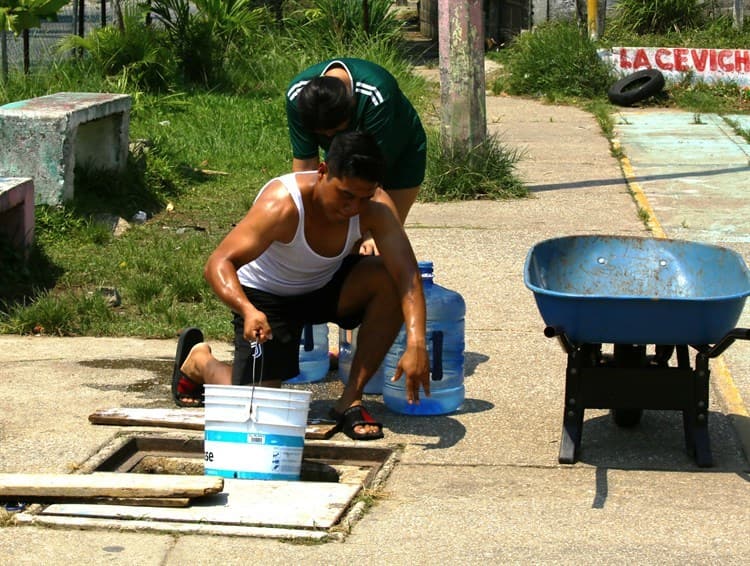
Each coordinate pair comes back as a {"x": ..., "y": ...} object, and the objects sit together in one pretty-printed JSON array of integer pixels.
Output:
[{"x": 287, "y": 316}]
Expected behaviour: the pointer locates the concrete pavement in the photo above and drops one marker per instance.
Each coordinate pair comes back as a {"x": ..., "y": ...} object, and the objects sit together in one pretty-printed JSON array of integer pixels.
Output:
[{"x": 482, "y": 485}]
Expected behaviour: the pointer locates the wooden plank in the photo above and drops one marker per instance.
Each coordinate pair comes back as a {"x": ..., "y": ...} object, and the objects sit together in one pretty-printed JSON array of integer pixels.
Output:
[
  {"x": 186, "y": 419},
  {"x": 107, "y": 484},
  {"x": 190, "y": 419},
  {"x": 131, "y": 501},
  {"x": 319, "y": 429}
]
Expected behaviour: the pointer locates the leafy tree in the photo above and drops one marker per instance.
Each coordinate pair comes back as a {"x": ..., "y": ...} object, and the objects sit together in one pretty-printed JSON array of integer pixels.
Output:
[{"x": 19, "y": 16}]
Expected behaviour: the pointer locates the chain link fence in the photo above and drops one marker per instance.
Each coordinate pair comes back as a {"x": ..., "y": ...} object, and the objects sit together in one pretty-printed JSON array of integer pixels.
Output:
[{"x": 77, "y": 17}]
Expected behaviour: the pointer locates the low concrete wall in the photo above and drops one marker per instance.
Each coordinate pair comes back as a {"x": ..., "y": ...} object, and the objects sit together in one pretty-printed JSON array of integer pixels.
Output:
[
  {"x": 44, "y": 138},
  {"x": 17, "y": 211}
]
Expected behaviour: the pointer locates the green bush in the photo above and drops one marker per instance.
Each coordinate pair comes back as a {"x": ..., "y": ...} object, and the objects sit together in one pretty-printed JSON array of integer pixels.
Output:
[
  {"x": 485, "y": 171},
  {"x": 556, "y": 59},
  {"x": 718, "y": 33},
  {"x": 323, "y": 28},
  {"x": 204, "y": 35},
  {"x": 657, "y": 16},
  {"x": 132, "y": 51}
]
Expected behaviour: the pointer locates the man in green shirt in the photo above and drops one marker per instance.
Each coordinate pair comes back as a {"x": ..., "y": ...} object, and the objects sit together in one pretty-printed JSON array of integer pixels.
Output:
[{"x": 353, "y": 94}]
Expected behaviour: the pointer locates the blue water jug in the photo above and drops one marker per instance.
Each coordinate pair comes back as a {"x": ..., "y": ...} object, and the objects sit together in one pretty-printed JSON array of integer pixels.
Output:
[
  {"x": 313, "y": 354},
  {"x": 446, "y": 310},
  {"x": 347, "y": 347}
]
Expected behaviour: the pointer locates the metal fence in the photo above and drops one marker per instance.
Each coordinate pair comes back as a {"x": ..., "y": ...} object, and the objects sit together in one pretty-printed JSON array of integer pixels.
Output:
[{"x": 77, "y": 17}]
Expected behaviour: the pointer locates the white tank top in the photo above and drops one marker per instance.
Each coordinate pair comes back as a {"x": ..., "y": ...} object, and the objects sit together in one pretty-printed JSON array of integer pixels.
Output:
[{"x": 294, "y": 268}]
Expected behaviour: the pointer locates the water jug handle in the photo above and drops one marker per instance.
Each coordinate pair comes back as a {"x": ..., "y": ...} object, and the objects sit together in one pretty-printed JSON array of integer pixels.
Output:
[
  {"x": 308, "y": 339},
  {"x": 437, "y": 355}
]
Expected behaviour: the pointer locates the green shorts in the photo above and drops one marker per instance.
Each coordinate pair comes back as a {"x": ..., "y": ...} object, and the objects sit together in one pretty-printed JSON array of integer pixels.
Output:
[{"x": 408, "y": 171}]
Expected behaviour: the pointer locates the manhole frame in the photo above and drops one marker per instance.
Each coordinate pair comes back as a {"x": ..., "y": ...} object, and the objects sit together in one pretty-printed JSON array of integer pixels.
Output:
[{"x": 127, "y": 448}]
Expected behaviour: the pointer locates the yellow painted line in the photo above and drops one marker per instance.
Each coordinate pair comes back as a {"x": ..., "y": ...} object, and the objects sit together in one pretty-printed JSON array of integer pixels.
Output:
[
  {"x": 733, "y": 402},
  {"x": 640, "y": 197},
  {"x": 731, "y": 399}
]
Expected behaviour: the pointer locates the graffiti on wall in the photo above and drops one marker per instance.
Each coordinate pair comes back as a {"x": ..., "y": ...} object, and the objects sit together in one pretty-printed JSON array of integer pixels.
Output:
[{"x": 707, "y": 65}]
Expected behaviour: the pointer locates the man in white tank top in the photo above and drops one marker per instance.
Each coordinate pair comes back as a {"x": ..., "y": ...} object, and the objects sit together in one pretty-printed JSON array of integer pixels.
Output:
[{"x": 289, "y": 263}]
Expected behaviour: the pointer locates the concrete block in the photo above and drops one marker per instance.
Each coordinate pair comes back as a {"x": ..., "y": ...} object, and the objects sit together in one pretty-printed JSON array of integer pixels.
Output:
[
  {"x": 17, "y": 211},
  {"x": 44, "y": 138}
]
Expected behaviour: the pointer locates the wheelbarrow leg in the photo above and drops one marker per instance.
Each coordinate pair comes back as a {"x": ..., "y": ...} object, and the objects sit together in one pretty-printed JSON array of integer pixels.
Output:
[
  {"x": 695, "y": 418},
  {"x": 570, "y": 440}
]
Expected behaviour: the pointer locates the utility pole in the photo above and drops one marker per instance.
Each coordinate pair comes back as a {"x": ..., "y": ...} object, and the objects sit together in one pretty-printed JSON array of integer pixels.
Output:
[
  {"x": 592, "y": 13},
  {"x": 462, "y": 86}
]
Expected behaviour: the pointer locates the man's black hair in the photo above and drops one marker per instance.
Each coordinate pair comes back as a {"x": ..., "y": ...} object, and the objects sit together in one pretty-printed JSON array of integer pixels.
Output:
[
  {"x": 324, "y": 104},
  {"x": 356, "y": 154}
]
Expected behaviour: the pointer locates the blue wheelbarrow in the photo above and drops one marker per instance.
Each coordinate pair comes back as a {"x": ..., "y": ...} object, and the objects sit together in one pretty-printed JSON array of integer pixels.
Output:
[{"x": 641, "y": 295}]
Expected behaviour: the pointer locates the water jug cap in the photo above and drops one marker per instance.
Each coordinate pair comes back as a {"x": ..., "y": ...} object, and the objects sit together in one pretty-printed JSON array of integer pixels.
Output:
[{"x": 425, "y": 266}]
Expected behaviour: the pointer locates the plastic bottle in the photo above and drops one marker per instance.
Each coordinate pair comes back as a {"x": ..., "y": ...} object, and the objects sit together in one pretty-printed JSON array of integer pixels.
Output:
[
  {"x": 446, "y": 310},
  {"x": 347, "y": 347},
  {"x": 313, "y": 354}
]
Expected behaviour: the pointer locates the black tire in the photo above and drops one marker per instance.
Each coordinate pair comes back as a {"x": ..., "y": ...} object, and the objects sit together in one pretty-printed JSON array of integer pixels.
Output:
[
  {"x": 626, "y": 418},
  {"x": 636, "y": 87}
]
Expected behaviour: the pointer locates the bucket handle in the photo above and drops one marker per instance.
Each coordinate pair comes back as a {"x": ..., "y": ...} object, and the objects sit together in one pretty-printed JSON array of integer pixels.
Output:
[{"x": 256, "y": 353}]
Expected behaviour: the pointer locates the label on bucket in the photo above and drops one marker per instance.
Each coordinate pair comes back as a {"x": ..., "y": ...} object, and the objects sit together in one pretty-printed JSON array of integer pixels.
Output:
[{"x": 252, "y": 455}]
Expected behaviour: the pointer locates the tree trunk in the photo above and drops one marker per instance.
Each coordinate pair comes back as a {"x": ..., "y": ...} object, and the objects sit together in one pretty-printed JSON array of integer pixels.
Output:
[{"x": 462, "y": 86}]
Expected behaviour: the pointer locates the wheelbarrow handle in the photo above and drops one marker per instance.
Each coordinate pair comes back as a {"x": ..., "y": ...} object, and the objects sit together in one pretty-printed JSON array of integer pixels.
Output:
[
  {"x": 562, "y": 338},
  {"x": 728, "y": 339}
]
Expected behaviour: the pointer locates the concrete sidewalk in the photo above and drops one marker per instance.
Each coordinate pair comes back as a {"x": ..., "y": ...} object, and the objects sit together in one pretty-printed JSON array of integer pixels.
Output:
[{"x": 479, "y": 486}]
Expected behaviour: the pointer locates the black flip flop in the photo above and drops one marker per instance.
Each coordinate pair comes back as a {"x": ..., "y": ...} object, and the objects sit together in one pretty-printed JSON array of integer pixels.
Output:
[
  {"x": 189, "y": 337},
  {"x": 355, "y": 416}
]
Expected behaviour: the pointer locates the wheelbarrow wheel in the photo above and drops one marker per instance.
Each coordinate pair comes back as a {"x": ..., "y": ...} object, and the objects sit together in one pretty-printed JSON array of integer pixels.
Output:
[{"x": 627, "y": 418}]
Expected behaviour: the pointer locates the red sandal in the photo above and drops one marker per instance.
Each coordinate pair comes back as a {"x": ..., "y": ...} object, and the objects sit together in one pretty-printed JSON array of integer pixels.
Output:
[{"x": 185, "y": 391}]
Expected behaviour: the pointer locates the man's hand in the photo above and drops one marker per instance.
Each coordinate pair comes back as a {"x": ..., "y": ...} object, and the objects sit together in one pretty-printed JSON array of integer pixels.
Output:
[
  {"x": 368, "y": 247},
  {"x": 415, "y": 365},
  {"x": 256, "y": 327}
]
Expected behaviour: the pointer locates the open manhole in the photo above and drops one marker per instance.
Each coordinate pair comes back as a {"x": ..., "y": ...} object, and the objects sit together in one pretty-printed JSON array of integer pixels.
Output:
[{"x": 332, "y": 476}]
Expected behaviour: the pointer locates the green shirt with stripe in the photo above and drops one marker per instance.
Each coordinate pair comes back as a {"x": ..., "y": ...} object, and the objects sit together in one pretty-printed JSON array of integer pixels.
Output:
[{"x": 381, "y": 110}]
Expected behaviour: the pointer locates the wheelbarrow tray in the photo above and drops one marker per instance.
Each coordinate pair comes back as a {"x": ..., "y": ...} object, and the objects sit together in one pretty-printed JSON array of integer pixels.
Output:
[{"x": 631, "y": 290}]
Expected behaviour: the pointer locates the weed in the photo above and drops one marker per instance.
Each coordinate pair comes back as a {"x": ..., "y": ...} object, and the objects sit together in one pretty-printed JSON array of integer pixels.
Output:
[
  {"x": 7, "y": 518},
  {"x": 744, "y": 132},
  {"x": 705, "y": 98},
  {"x": 485, "y": 171}
]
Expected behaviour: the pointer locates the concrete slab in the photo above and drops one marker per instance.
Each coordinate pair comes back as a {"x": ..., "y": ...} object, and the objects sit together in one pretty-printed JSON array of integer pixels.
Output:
[{"x": 308, "y": 505}]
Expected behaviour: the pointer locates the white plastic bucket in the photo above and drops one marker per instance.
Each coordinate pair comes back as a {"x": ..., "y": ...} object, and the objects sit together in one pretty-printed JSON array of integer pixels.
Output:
[{"x": 254, "y": 432}]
